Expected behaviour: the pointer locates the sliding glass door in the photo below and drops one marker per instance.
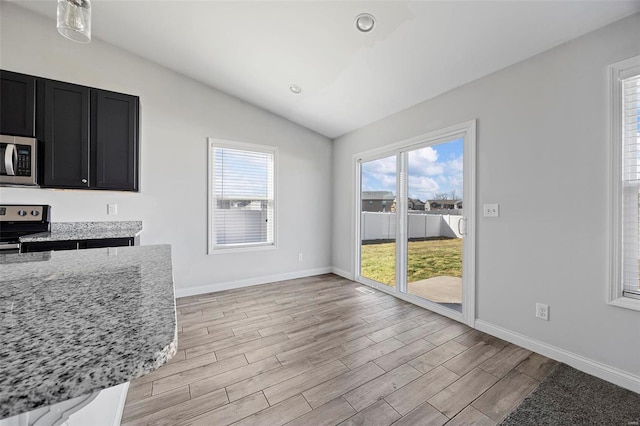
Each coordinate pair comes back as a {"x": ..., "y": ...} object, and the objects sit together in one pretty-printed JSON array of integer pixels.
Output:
[
  {"x": 435, "y": 223},
  {"x": 414, "y": 209},
  {"x": 378, "y": 220}
]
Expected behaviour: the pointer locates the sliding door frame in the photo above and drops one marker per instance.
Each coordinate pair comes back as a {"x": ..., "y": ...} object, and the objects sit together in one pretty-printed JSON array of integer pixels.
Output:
[{"x": 400, "y": 149}]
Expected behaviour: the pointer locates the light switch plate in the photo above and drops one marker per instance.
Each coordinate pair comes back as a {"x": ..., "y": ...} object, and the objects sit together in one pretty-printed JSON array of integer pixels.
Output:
[{"x": 491, "y": 210}]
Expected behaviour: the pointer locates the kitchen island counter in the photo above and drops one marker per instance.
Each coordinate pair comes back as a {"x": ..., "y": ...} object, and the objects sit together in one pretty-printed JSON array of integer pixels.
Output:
[{"x": 75, "y": 322}]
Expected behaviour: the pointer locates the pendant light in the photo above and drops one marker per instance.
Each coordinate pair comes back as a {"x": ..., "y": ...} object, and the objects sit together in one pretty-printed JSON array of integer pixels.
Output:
[{"x": 74, "y": 20}]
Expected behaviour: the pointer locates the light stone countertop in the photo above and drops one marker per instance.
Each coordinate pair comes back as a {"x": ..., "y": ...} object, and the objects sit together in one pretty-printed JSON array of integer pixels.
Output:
[
  {"x": 74, "y": 322},
  {"x": 65, "y": 231}
]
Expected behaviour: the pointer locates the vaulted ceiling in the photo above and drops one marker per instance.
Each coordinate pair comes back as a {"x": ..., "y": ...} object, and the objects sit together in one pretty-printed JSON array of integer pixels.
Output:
[{"x": 417, "y": 50}]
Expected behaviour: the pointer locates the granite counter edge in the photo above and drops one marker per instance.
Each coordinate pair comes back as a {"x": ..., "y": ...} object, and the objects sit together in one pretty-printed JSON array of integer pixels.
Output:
[{"x": 70, "y": 236}]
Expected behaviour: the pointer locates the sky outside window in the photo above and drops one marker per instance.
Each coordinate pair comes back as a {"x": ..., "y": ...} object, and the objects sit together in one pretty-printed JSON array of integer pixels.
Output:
[{"x": 433, "y": 170}]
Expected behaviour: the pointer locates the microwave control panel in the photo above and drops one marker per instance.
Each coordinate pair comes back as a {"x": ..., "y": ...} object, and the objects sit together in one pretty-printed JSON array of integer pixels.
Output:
[{"x": 24, "y": 160}]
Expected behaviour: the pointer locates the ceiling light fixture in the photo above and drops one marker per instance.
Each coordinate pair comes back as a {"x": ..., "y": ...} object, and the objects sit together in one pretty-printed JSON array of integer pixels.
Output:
[
  {"x": 74, "y": 20},
  {"x": 294, "y": 88},
  {"x": 365, "y": 22}
]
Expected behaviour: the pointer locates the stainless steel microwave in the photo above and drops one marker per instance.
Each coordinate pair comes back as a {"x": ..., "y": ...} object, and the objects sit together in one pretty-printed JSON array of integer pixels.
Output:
[{"x": 18, "y": 161}]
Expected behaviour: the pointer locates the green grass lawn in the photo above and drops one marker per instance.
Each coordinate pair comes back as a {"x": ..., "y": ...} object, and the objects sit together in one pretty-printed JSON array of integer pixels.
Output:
[{"x": 427, "y": 259}]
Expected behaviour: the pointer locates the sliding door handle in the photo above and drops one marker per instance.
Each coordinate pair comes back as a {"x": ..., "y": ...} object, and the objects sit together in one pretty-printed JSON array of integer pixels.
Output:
[{"x": 462, "y": 219}]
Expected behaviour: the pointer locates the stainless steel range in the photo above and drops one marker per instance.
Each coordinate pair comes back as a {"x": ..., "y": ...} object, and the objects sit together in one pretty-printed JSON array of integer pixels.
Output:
[{"x": 17, "y": 220}]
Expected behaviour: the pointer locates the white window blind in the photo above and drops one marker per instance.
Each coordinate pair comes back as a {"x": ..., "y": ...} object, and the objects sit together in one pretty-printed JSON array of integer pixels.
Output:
[
  {"x": 631, "y": 184},
  {"x": 242, "y": 196}
]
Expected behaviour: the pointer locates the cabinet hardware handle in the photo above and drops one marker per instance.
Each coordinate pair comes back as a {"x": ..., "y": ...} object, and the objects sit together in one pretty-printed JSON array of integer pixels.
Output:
[{"x": 84, "y": 181}]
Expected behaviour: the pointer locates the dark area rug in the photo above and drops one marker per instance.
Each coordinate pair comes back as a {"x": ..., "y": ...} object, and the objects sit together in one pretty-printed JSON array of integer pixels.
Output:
[{"x": 570, "y": 397}]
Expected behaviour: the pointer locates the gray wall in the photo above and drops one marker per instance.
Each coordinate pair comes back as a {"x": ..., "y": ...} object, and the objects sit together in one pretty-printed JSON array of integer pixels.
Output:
[
  {"x": 177, "y": 116},
  {"x": 542, "y": 135}
]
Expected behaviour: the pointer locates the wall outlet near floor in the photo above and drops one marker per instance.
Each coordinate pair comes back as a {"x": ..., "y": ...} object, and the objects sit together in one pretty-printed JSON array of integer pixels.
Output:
[
  {"x": 299, "y": 257},
  {"x": 112, "y": 209},
  {"x": 491, "y": 210},
  {"x": 542, "y": 311}
]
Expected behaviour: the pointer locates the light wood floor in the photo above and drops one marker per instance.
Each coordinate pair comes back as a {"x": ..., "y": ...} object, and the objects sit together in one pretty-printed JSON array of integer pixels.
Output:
[{"x": 315, "y": 351}]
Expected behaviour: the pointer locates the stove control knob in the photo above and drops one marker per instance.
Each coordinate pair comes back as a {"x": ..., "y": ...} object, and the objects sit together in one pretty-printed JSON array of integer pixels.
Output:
[
  {"x": 22, "y": 213},
  {"x": 35, "y": 213}
]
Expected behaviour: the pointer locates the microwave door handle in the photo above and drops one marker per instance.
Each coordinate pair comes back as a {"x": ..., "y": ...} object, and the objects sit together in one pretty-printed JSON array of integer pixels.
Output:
[{"x": 10, "y": 158}]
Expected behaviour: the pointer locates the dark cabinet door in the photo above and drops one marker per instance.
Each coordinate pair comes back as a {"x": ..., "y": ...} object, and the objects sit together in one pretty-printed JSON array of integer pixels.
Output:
[
  {"x": 76, "y": 244},
  {"x": 107, "y": 242},
  {"x": 114, "y": 120},
  {"x": 48, "y": 246},
  {"x": 17, "y": 104},
  {"x": 65, "y": 134}
]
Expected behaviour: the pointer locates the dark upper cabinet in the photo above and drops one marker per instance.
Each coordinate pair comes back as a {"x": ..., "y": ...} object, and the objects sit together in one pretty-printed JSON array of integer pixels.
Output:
[
  {"x": 114, "y": 135},
  {"x": 63, "y": 129},
  {"x": 88, "y": 137},
  {"x": 17, "y": 104}
]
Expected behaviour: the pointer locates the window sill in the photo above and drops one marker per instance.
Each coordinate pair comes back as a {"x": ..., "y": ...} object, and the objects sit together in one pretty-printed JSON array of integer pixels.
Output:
[
  {"x": 245, "y": 249},
  {"x": 626, "y": 302}
]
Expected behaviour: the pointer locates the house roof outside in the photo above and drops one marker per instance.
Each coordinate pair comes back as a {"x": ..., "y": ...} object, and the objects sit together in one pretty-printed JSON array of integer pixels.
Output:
[
  {"x": 445, "y": 202},
  {"x": 378, "y": 195}
]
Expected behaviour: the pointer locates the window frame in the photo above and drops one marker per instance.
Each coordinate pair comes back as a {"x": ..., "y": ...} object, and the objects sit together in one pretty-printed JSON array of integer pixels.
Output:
[
  {"x": 212, "y": 145},
  {"x": 616, "y": 74}
]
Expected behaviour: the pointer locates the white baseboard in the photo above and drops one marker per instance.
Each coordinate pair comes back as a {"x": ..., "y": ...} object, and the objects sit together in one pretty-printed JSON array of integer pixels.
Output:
[
  {"x": 342, "y": 273},
  {"x": 595, "y": 368},
  {"x": 192, "y": 291}
]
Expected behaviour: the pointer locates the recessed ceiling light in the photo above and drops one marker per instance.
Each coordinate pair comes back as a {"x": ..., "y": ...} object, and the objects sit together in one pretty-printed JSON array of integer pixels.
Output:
[
  {"x": 365, "y": 22},
  {"x": 295, "y": 89}
]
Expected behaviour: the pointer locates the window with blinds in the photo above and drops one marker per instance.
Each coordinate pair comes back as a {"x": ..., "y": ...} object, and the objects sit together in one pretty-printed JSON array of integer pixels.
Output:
[
  {"x": 624, "y": 89},
  {"x": 241, "y": 195},
  {"x": 631, "y": 183}
]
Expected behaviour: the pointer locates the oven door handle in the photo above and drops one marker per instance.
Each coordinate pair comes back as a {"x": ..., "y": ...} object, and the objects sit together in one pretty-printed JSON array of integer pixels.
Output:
[
  {"x": 10, "y": 246},
  {"x": 10, "y": 158}
]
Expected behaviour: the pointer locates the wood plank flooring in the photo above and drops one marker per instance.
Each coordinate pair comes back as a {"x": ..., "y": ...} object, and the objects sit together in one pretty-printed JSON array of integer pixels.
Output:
[{"x": 315, "y": 351}]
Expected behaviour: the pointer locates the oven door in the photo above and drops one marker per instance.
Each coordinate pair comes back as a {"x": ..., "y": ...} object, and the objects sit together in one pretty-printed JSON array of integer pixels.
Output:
[{"x": 9, "y": 247}]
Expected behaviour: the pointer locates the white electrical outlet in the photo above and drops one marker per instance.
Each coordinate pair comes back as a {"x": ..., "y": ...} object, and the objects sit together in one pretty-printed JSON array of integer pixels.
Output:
[
  {"x": 491, "y": 210},
  {"x": 112, "y": 209},
  {"x": 542, "y": 311},
  {"x": 299, "y": 257}
]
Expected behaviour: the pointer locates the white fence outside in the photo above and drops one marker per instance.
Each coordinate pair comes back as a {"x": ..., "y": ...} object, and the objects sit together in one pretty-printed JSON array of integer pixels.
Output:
[{"x": 382, "y": 226}]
